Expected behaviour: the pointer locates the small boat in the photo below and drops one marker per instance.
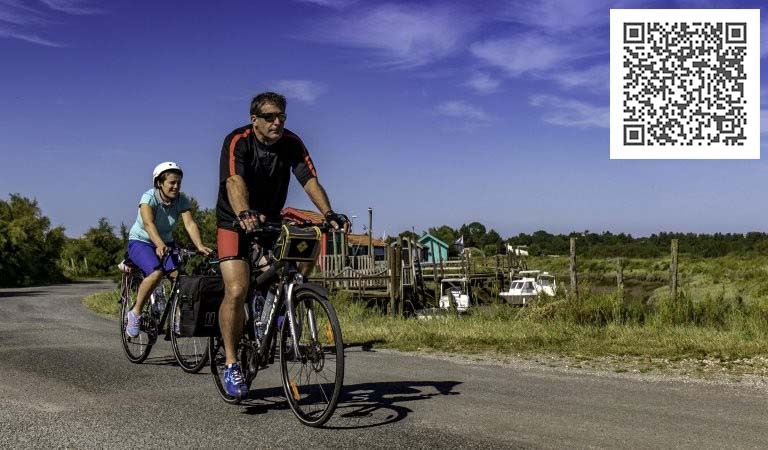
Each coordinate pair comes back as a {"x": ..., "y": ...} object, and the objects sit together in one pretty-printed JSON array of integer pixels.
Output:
[
  {"x": 527, "y": 285},
  {"x": 454, "y": 292}
]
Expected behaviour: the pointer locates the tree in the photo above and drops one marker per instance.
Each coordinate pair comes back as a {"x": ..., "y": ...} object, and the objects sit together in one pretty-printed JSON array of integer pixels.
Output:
[
  {"x": 473, "y": 234},
  {"x": 447, "y": 235},
  {"x": 96, "y": 253},
  {"x": 28, "y": 245},
  {"x": 492, "y": 243},
  {"x": 206, "y": 222}
]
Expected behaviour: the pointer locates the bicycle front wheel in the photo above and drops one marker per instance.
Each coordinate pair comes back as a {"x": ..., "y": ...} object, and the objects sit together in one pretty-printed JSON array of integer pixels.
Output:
[
  {"x": 217, "y": 358},
  {"x": 312, "y": 380},
  {"x": 136, "y": 348},
  {"x": 191, "y": 352}
]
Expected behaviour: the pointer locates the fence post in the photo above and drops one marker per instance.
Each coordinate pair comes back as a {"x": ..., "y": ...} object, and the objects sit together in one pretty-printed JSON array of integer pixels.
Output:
[
  {"x": 434, "y": 271},
  {"x": 673, "y": 270},
  {"x": 620, "y": 279},
  {"x": 574, "y": 280},
  {"x": 392, "y": 288}
]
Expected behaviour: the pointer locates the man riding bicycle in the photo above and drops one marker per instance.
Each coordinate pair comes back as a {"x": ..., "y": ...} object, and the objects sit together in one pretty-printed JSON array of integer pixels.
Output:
[{"x": 254, "y": 169}]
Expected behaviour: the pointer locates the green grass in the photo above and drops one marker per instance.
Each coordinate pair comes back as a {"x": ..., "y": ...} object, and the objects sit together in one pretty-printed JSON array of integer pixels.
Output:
[
  {"x": 104, "y": 302},
  {"x": 501, "y": 331},
  {"x": 722, "y": 314}
]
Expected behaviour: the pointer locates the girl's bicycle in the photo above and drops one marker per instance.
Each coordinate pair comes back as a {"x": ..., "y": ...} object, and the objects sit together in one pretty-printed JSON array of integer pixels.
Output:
[
  {"x": 160, "y": 315},
  {"x": 297, "y": 320}
]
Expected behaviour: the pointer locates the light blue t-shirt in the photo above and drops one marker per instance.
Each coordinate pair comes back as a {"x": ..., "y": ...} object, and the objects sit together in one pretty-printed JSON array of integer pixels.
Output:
[{"x": 165, "y": 217}]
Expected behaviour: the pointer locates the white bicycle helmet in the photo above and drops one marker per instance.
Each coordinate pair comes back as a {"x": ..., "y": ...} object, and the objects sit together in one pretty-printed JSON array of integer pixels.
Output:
[{"x": 162, "y": 167}]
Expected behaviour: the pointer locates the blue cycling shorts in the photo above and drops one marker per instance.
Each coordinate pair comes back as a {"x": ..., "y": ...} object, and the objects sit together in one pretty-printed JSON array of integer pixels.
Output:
[{"x": 143, "y": 255}]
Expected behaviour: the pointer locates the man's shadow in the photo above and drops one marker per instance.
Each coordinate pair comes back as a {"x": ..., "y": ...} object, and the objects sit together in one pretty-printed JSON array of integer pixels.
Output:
[{"x": 361, "y": 405}]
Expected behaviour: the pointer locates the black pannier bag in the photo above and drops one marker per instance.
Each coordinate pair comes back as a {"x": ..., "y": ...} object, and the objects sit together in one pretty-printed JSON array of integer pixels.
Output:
[
  {"x": 199, "y": 299},
  {"x": 298, "y": 243}
]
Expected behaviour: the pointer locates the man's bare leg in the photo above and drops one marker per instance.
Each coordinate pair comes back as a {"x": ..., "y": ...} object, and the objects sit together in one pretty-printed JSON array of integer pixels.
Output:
[{"x": 235, "y": 275}]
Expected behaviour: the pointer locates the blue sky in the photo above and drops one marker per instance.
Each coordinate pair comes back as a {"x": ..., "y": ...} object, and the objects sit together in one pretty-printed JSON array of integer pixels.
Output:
[{"x": 430, "y": 112}]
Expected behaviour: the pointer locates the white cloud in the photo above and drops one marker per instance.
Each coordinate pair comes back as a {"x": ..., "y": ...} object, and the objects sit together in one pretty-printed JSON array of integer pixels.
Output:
[
  {"x": 335, "y": 4},
  {"x": 400, "y": 36},
  {"x": 571, "y": 113},
  {"x": 305, "y": 91},
  {"x": 763, "y": 37},
  {"x": 595, "y": 77},
  {"x": 14, "y": 12},
  {"x": 560, "y": 15},
  {"x": 31, "y": 38},
  {"x": 463, "y": 110},
  {"x": 529, "y": 53},
  {"x": 482, "y": 83},
  {"x": 74, "y": 7},
  {"x": 26, "y": 21}
]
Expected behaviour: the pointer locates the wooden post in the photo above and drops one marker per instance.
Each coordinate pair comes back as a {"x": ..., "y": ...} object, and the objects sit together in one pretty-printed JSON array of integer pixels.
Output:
[
  {"x": 370, "y": 235},
  {"x": 574, "y": 280},
  {"x": 392, "y": 277},
  {"x": 442, "y": 267},
  {"x": 620, "y": 279},
  {"x": 344, "y": 250},
  {"x": 400, "y": 275},
  {"x": 673, "y": 270},
  {"x": 434, "y": 271}
]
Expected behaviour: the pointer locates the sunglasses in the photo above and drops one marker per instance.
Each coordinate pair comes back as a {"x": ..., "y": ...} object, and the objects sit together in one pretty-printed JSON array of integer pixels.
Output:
[{"x": 270, "y": 117}]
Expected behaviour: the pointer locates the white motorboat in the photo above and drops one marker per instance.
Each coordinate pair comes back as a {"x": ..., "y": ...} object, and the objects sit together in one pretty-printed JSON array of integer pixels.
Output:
[
  {"x": 454, "y": 292},
  {"x": 528, "y": 285}
]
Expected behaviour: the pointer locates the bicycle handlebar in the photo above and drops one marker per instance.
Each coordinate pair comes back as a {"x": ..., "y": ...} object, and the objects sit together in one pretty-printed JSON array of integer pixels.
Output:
[{"x": 270, "y": 228}]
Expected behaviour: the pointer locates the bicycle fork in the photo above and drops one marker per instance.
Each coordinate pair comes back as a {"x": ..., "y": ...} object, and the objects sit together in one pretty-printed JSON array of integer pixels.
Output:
[{"x": 291, "y": 313}]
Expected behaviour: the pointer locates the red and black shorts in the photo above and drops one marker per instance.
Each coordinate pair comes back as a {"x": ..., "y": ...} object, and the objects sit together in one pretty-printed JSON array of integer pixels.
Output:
[{"x": 232, "y": 245}]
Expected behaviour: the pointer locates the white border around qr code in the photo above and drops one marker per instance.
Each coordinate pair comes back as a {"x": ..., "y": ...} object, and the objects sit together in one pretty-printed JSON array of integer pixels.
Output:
[{"x": 623, "y": 141}]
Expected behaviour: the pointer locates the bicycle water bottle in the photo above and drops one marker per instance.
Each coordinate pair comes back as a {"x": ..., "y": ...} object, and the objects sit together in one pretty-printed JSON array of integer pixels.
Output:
[
  {"x": 256, "y": 308},
  {"x": 159, "y": 305}
]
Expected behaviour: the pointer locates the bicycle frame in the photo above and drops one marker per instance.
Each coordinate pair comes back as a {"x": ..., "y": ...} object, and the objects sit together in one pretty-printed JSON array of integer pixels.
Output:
[
  {"x": 283, "y": 294},
  {"x": 159, "y": 325},
  {"x": 289, "y": 279}
]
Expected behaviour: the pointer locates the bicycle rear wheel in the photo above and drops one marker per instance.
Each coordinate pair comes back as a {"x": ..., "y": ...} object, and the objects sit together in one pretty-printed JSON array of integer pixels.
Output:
[
  {"x": 191, "y": 352},
  {"x": 136, "y": 348},
  {"x": 313, "y": 381}
]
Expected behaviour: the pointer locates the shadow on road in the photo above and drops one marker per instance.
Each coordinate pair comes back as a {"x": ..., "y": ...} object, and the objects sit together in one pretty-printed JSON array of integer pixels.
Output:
[
  {"x": 361, "y": 405},
  {"x": 33, "y": 293},
  {"x": 161, "y": 361},
  {"x": 366, "y": 346}
]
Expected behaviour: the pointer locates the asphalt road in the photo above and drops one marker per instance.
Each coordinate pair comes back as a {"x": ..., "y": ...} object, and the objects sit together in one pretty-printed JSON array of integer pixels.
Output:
[{"x": 64, "y": 382}]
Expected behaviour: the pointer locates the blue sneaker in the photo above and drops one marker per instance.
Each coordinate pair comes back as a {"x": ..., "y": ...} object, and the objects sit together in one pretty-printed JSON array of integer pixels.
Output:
[
  {"x": 234, "y": 383},
  {"x": 132, "y": 328}
]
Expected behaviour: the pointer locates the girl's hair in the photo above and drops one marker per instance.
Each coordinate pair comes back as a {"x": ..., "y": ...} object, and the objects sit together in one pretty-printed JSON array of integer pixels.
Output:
[{"x": 161, "y": 178}]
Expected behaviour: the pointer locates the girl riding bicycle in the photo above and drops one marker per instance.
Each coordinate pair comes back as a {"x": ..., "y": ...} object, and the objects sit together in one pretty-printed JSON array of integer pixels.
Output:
[{"x": 151, "y": 236}]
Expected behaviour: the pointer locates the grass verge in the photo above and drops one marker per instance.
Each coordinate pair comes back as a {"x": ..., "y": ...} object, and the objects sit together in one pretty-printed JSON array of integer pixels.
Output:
[
  {"x": 104, "y": 302},
  {"x": 550, "y": 329}
]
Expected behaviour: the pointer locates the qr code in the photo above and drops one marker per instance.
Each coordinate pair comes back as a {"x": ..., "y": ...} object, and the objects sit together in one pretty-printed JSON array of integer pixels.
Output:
[{"x": 685, "y": 84}]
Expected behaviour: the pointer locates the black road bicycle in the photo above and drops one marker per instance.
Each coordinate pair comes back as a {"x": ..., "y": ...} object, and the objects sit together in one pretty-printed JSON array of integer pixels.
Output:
[
  {"x": 300, "y": 324},
  {"x": 160, "y": 315}
]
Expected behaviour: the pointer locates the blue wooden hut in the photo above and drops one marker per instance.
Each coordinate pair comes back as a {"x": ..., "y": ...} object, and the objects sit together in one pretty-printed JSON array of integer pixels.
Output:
[{"x": 436, "y": 250}]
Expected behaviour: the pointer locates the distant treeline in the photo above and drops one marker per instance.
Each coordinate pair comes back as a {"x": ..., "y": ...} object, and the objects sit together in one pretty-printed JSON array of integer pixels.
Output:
[
  {"x": 32, "y": 252},
  {"x": 604, "y": 245},
  {"x": 607, "y": 244}
]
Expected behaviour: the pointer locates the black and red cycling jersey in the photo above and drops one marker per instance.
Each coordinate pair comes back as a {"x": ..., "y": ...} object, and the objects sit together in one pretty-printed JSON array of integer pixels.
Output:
[{"x": 266, "y": 170}]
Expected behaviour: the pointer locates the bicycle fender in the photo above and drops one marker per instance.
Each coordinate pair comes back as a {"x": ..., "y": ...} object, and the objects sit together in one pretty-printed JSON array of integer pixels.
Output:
[{"x": 314, "y": 287}]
